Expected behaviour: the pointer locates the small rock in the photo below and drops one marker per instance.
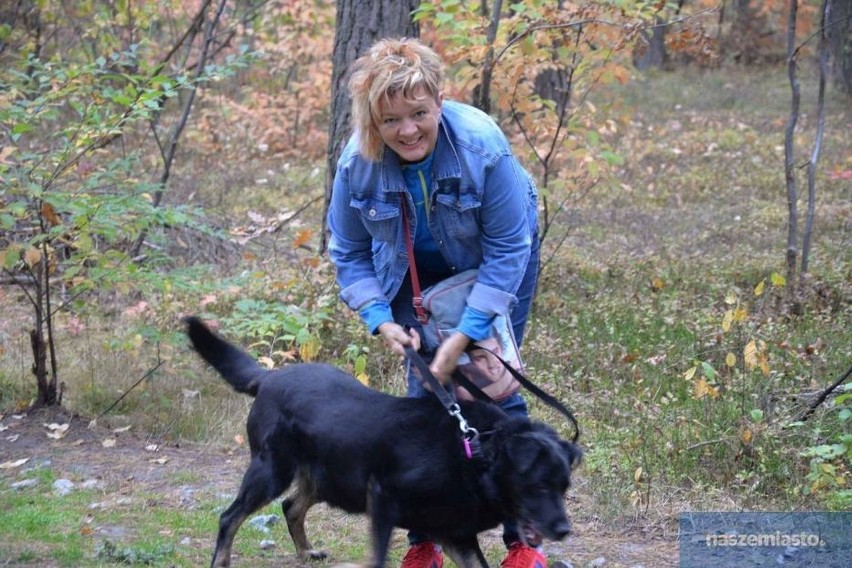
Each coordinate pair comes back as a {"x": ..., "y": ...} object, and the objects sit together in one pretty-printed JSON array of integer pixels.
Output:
[
  {"x": 267, "y": 544},
  {"x": 92, "y": 484},
  {"x": 186, "y": 541},
  {"x": 63, "y": 487},
  {"x": 187, "y": 497},
  {"x": 599, "y": 562},
  {"x": 263, "y": 522},
  {"x": 562, "y": 564},
  {"x": 24, "y": 484}
]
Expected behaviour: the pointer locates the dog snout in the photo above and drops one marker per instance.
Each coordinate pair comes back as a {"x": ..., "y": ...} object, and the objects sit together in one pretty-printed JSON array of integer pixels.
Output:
[{"x": 561, "y": 529}]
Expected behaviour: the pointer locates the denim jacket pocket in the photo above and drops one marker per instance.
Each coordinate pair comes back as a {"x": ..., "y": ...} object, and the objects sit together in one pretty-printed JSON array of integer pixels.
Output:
[
  {"x": 381, "y": 219},
  {"x": 460, "y": 215}
]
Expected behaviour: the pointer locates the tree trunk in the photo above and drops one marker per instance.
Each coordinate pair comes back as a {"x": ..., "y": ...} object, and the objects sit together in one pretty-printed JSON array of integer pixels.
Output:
[
  {"x": 839, "y": 34},
  {"x": 651, "y": 53},
  {"x": 822, "y": 56},
  {"x": 359, "y": 24},
  {"x": 789, "y": 151}
]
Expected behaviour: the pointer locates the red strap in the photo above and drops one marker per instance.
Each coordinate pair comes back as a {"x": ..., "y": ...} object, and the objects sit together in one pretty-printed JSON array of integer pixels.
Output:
[{"x": 417, "y": 298}]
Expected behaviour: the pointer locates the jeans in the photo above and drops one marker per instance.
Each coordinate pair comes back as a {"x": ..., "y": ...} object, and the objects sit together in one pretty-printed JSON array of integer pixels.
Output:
[{"x": 514, "y": 405}]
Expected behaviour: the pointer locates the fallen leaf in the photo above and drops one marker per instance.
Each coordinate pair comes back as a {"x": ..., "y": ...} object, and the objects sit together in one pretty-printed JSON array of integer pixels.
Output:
[
  {"x": 159, "y": 461},
  {"x": 152, "y": 448},
  {"x": 12, "y": 464},
  {"x": 122, "y": 429},
  {"x": 108, "y": 443},
  {"x": 57, "y": 431}
]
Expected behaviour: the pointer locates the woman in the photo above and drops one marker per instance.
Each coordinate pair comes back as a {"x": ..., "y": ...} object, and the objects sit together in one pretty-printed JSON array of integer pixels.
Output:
[{"x": 469, "y": 202}]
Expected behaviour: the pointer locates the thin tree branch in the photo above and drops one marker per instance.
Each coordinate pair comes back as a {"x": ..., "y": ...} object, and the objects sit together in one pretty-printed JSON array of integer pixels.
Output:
[{"x": 824, "y": 395}]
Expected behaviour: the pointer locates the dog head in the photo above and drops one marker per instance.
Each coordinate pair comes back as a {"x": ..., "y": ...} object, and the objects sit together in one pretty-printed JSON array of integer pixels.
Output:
[{"x": 537, "y": 476}]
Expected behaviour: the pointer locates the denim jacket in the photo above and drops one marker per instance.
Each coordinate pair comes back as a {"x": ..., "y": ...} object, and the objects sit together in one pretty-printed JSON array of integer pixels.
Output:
[{"x": 483, "y": 214}]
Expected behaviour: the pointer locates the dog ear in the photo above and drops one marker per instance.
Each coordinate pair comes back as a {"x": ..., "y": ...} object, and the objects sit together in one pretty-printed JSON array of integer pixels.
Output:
[{"x": 524, "y": 450}]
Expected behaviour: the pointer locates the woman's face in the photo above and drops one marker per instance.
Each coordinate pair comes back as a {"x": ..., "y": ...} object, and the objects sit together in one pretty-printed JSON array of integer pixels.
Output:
[{"x": 409, "y": 127}]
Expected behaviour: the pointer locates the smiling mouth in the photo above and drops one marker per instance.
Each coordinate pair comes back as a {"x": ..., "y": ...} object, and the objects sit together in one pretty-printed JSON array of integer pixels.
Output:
[{"x": 411, "y": 144}]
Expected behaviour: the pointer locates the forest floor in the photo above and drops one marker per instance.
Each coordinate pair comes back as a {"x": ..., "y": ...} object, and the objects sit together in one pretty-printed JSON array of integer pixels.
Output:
[{"x": 127, "y": 470}]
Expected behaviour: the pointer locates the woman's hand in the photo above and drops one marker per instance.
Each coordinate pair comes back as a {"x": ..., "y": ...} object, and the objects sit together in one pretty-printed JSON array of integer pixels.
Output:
[
  {"x": 397, "y": 338},
  {"x": 447, "y": 357}
]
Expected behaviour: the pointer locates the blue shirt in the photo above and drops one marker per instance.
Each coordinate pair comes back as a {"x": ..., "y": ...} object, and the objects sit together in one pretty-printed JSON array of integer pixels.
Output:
[{"x": 482, "y": 214}]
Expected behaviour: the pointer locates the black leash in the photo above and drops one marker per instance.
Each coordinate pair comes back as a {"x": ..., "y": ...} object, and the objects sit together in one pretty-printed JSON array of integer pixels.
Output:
[
  {"x": 470, "y": 435},
  {"x": 545, "y": 397}
]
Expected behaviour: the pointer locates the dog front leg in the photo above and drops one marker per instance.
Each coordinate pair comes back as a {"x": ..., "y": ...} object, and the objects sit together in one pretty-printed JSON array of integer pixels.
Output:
[{"x": 465, "y": 553}]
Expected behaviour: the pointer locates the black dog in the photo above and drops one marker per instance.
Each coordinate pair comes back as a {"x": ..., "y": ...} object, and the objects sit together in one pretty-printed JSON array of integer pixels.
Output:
[{"x": 399, "y": 459}]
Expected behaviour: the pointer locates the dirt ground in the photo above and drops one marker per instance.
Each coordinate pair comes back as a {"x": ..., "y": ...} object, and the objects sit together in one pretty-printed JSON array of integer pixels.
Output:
[{"x": 127, "y": 466}]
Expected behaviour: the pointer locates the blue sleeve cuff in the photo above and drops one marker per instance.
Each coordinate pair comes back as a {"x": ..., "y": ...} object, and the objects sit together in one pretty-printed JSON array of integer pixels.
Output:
[
  {"x": 375, "y": 314},
  {"x": 475, "y": 324}
]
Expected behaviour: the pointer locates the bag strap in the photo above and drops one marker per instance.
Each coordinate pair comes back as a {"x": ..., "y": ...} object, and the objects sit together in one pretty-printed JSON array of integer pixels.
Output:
[
  {"x": 442, "y": 394},
  {"x": 545, "y": 397},
  {"x": 417, "y": 297}
]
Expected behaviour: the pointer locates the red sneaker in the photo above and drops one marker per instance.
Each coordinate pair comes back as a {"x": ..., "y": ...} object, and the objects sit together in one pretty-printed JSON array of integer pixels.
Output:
[
  {"x": 523, "y": 556},
  {"x": 423, "y": 555}
]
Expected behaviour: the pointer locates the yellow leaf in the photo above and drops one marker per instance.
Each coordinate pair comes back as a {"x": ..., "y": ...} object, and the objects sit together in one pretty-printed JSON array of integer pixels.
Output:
[
  {"x": 637, "y": 475},
  {"x": 364, "y": 378},
  {"x": 758, "y": 290},
  {"x": 763, "y": 363},
  {"x": 32, "y": 256},
  {"x": 777, "y": 280},
  {"x": 727, "y": 320},
  {"x": 702, "y": 388},
  {"x": 731, "y": 298},
  {"x": 309, "y": 349},
  {"x": 740, "y": 314},
  {"x": 750, "y": 354},
  {"x": 690, "y": 373},
  {"x": 731, "y": 360},
  {"x": 658, "y": 283},
  {"x": 5, "y": 152},
  {"x": 746, "y": 436}
]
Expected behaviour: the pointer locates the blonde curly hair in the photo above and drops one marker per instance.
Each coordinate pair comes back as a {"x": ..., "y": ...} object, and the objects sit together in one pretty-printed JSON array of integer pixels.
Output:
[{"x": 390, "y": 66}]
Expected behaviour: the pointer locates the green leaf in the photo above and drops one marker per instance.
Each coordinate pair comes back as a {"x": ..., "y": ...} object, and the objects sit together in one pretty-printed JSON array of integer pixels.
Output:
[
  {"x": 21, "y": 128},
  {"x": 756, "y": 415},
  {"x": 7, "y": 221},
  {"x": 612, "y": 158},
  {"x": 708, "y": 371}
]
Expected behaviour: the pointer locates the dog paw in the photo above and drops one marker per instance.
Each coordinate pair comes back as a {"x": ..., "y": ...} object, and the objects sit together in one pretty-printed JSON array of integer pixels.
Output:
[{"x": 316, "y": 554}]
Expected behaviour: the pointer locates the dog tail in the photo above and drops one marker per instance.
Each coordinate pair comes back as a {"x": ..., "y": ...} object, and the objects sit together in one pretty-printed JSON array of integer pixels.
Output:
[{"x": 236, "y": 366}]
